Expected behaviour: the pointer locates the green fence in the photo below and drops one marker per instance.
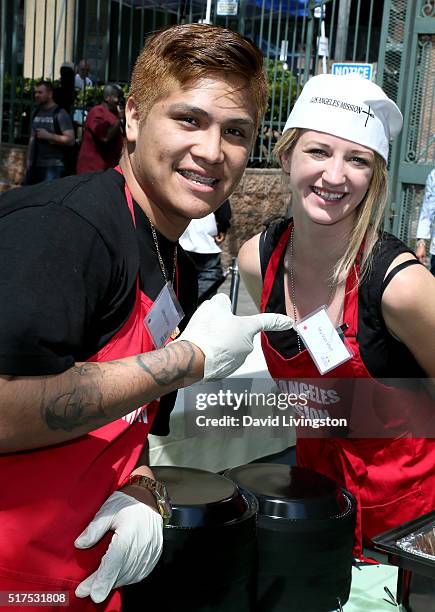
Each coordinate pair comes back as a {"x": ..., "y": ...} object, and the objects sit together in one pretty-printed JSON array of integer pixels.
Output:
[
  {"x": 38, "y": 36},
  {"x": 407, "y": 72}
]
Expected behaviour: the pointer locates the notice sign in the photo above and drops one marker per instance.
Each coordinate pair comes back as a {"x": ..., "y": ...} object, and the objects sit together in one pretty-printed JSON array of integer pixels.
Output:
[
  {"x": 364, "y": 70},
  {"x": 227, "y": 8}
]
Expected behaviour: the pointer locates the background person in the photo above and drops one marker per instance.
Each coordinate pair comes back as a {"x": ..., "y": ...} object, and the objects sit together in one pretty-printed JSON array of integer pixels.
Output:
[
  {"x": 85, "y": 259},
  {"x": 64, "y": 94},
  {"x": 201, "y": 240},
  {"x": 103, "y": 134},
  {"x": 426, "y": 223},
  {"x": 82, "y": 80},
  {"x": 81, "y": 84},
  {"x": 334, "y": 150},
  {"x": 52, "y": 134}
]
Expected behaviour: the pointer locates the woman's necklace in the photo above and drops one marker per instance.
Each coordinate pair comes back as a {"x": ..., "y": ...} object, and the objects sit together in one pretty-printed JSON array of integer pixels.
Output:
[
  {"x": 176, "y": 331},
  {"x": 292, "y": 287}
]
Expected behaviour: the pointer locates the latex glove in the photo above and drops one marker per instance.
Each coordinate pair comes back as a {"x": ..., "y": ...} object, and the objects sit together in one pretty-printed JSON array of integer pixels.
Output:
[
  {"x": 134, "y": 550},
  {"x": 225, "y": 339}
]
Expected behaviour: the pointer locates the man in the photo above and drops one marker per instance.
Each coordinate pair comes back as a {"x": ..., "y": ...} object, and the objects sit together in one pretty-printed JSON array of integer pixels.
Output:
[
  {"x": 201, "y": 240},
  {"x": 52, "y": 134},
  {"x": 426, "y": 223},
  {"x": 102, "y": 139},
  {"x": 81, "y": 78},
  {"x": 89, "y": 273}
]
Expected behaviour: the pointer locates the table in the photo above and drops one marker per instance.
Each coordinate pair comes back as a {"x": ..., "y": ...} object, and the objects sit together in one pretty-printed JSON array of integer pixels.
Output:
[{"x": 367, "y": 591}]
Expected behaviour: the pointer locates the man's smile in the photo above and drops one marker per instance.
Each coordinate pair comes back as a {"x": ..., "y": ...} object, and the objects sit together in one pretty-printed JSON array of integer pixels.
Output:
[{"x": 201, "y": 179}]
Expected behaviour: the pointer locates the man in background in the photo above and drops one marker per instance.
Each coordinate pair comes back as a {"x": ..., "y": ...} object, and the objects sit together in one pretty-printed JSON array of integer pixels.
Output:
[
  {"x": 202, "y": 240},
  {"x": 103, "y": 135},
  {"x": 52, "y": 134},
  {"x": 426, "y": 223},
  {"x": 81, "y": 79}
]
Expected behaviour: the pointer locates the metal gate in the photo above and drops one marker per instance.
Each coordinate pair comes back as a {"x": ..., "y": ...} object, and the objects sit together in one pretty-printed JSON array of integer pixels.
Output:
[
  {"x": 407, "y": 73},
  {"x": 38, "y": 36}
]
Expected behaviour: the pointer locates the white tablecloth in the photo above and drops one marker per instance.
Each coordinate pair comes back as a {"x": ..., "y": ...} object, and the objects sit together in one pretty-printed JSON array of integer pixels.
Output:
[{"x": 367, "y": 592}]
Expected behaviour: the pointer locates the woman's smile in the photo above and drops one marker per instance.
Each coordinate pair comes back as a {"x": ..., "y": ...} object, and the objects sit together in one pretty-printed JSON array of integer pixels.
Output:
[{"x": 328, "y": 196}]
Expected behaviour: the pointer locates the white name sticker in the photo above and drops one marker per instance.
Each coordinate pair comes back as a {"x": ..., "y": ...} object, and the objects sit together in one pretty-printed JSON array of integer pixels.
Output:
[
  {"x": 164, "y": 316},
  {"x": 322, "y": 340}
]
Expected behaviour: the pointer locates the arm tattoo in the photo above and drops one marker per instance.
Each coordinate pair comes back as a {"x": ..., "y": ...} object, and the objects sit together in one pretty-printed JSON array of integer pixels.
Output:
[
  {"x": 83, "y": 402},
  {"x": 80, "y": 405},
  {"x": 164, "y": 365}
]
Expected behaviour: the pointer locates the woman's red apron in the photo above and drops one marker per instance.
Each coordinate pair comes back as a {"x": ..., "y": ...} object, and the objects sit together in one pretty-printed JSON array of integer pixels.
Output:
[
  {"x": 50, "y": 495},
  {"x": 392, "y": 478}
]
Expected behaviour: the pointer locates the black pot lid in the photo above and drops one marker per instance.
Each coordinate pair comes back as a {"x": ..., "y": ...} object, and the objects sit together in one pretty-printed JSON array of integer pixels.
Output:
[
  {"x": 290, "y": 492},
  {"x": 203, "y": 499}
]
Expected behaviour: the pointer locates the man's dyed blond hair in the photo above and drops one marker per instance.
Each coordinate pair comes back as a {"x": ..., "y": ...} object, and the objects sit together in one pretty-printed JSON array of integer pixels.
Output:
[{"x": 183, "y": 54}]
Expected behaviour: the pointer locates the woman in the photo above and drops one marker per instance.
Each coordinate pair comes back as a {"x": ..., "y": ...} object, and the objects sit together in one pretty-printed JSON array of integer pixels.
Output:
[{"x": 334, "y": 150}]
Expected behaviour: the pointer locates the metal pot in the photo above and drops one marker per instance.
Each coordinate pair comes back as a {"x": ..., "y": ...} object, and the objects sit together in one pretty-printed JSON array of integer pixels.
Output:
[
  {"x": 305, "y": 537},
  {"x": 209, "y": 555}
]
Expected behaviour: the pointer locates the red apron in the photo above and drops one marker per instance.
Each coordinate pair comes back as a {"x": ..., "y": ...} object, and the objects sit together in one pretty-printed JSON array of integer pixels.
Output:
[
  {"x": 392, "y": 478},
  {"x": 50, "y": 495}
]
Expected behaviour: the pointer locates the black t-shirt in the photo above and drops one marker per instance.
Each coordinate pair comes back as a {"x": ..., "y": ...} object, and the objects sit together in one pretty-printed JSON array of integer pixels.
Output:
[
  {"x": 382, "y": 354},
  {"x": 45, "y": 153},
  {"x": 70, "y": 259}
]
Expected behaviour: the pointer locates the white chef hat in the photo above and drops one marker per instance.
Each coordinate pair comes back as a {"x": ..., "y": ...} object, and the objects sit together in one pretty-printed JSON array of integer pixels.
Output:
[{"x": 350, "y": 107}]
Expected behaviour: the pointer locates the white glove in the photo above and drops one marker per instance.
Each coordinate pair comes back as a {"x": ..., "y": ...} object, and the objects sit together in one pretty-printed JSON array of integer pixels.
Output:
[
  {"x": 134, "y": 550},
  {"x": 226, "y": 340}
]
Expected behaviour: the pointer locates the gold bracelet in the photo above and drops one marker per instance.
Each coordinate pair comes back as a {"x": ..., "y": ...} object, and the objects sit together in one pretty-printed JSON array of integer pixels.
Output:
[{"x": 157, "y": 489}]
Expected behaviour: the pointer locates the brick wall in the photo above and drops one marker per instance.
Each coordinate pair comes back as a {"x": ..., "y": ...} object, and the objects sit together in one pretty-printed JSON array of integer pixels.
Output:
[{"x": 259, "y": 196}]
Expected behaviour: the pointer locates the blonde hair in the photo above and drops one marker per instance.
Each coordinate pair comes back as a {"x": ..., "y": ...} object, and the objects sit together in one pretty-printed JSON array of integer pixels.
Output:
[
  {"x": 370, "y": 211},
  {"x": 183, "y": 54}
]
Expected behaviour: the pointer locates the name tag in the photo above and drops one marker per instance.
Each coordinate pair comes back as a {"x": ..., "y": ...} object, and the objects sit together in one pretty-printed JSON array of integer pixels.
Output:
[
  {"x": 323, "y": 343},
  {"x": 164, "y": 316}
]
